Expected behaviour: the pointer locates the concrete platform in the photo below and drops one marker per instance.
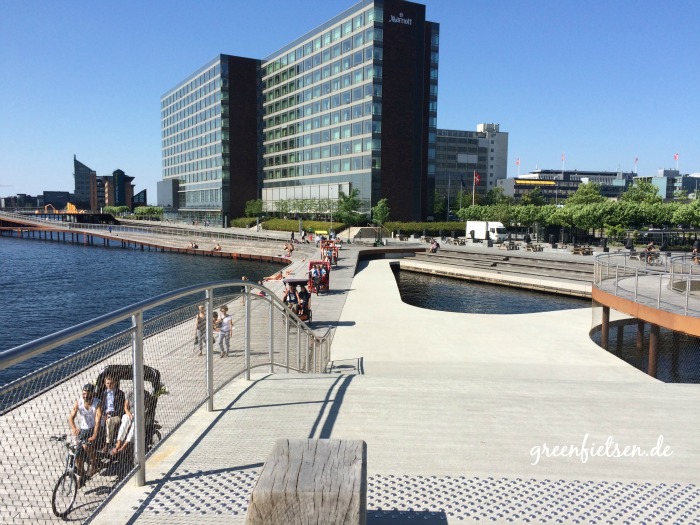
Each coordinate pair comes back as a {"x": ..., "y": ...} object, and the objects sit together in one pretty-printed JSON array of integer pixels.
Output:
[{"x": 461, "y": 414}]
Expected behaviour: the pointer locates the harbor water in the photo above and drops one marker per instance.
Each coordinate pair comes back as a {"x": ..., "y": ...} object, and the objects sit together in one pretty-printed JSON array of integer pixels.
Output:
[{"x": 47, "y": 286}]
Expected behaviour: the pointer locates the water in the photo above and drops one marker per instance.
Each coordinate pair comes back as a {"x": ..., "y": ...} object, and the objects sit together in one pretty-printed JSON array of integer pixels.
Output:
[
  {"x": 46, "y": 286},
  {"x": 454, "y": 295}
]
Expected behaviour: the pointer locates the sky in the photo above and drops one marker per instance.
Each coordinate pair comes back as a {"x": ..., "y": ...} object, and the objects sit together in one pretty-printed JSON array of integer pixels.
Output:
[{"x": 597, "y": 82}]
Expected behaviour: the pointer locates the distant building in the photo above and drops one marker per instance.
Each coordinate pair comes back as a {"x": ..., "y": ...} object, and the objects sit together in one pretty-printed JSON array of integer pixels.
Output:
[
  {"x": 22, "y": 200},
  {"x": 85, "y": 193},
  {"x": 557, "y": 185},
  {"x": 485, "y": 152},
  {"x": 118, "y": 189},
  {"x": 140, "y": 199},
  {"x": 669, "y": 182},
  {"x": 58, "y": 199}
]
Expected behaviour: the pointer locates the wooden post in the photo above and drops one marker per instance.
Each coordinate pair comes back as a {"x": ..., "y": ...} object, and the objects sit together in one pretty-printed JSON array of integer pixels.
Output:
[
  {"x": 605, "y": 330},
  {"x": 320, "y": 481},
  {"x": 653, "y": 350}
]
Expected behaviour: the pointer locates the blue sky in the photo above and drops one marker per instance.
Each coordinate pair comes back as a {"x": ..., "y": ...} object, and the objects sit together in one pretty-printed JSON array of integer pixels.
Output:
[{"x": 602, "y": 82}]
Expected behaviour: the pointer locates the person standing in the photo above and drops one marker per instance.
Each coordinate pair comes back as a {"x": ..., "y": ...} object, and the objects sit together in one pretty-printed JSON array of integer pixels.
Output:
[
  {"x": 200, "y": 328},
  {"x": 225, "y": 329}
]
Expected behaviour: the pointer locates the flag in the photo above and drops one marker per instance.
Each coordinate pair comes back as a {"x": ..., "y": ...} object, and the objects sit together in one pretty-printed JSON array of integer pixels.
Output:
[
  {"x": 461, "y": 182},
  {"x": 562, "y": 157},
  {"x": 477, "y": 179},
  {"x": 636, "y": 159},
  {"x": 675, "y": 157},
  {"x": 517, "y": 161}
]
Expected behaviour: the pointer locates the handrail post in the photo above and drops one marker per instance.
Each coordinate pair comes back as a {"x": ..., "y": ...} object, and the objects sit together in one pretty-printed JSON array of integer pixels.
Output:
[
  {"x": 210, "y": 349},
  {"x": 139, "y": 400},
  {"x": 636, "y": 283},
  {"x": 616, "y": 278},
  {"x": 306, "y": 354},
  {"x": 286, "y": 342},
  {"x": 658, "y": 297},
  {"x": 272, "y": 338},
  {"x": 247, "y": 333},
  {"x": 687, "y": 294}
]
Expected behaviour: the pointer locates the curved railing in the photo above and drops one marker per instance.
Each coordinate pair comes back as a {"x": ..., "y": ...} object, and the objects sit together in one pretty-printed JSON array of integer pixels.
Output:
[
  {"x": 156, "y": 334},
  {"x": 665, "y": 286}
]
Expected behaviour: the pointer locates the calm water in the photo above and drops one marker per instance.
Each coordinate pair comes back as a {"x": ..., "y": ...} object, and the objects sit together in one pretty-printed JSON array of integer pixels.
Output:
[
  {"x": 454, "y": 295},
  {"x": 47, "y": 286}
]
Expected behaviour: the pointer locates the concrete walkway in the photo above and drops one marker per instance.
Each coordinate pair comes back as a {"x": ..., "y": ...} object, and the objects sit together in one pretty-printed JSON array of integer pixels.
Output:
[{"x": 455, "y": 409}]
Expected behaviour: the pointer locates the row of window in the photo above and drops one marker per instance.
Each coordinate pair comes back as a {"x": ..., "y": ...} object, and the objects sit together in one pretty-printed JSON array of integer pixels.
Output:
[
  {"x": 371, "y": 40},
  {"x": 370, "y": 54},
  {"x": 342, "y": 165},
  {"x": 197, "y": 142},
  {"x": 213, "y": 108},
  {"x": 183, "y": 108},
  {"x": 200, "y": 153},
  {"x": 213, "y": 125},
  {"x": 347, "y": 80},
  {"x": 365, "y": 144},
  {"x": 192, "y": 85},
  {"x": 332, "y": 35},
  {"x": 201, "y": 176},
  {"x": 198, "y": 165},
  {"x": 202, "y": 198},
  {"x": 358, "y": 111}
]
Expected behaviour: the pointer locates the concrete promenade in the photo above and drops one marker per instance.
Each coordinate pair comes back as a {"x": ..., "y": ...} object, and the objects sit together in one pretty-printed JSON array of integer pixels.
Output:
[{"x": 455, "y": 409}]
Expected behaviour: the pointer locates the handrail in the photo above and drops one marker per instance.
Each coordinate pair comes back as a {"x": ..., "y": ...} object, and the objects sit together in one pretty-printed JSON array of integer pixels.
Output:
[
  {"x": 271, "y": 336},
  {"x": 669, "y": 288}
]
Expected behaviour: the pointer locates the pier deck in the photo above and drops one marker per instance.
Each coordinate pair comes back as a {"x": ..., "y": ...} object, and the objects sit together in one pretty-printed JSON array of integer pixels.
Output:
[{"x": 454, "y": 408}]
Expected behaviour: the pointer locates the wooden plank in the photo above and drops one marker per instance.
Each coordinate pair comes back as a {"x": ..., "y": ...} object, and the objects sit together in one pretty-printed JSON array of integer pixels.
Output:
[{"x": 321, "y": 481}]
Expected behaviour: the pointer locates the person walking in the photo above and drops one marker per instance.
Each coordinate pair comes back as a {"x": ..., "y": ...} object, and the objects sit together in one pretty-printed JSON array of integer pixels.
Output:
[
  {"x": 225, "y": 329},
  {"x": 200, "y": 328}
]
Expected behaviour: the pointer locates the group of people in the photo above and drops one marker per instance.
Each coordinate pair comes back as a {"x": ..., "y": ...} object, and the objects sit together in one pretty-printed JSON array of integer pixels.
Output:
[
  {"x": 97, "y": 422},
  {"x": 297, "y": 299},
  {"x": 319, "y": 276},
  {"x": 193, "y": 246},
  {"x": 288, "y": 249},
  {"x": 216, "y": 248},
  {"x": 222, "y": 326},
  {"x": 434, "y": 246}
]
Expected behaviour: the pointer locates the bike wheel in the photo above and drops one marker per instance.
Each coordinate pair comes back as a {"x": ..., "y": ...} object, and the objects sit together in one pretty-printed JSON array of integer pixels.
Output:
[
  {"x": 155, "y": 439},
  {"x": 64, "y": 494}
]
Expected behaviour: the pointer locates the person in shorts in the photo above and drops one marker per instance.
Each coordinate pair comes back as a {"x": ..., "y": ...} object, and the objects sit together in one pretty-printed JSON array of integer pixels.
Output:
[{"x": 88, "y": 410}]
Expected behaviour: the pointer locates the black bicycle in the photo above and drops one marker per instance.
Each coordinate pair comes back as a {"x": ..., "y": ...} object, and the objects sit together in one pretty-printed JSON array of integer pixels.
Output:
[{"x": 66, "y": 488}]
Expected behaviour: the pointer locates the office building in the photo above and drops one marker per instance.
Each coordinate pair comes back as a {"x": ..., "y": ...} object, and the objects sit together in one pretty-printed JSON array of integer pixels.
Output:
[
  {"x": 351, "y": 105},
  {"x": 461, "y": 154},
  {"x": 556, "y": 185},
  {"x": 85, "y": 194}
]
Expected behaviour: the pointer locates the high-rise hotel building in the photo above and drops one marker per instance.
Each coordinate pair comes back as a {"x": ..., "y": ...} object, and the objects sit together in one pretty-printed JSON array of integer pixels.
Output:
[{"x": 351, "y": 105}]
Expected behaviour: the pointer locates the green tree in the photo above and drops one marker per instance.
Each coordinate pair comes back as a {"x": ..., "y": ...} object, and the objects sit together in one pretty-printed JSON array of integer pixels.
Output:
[
  {"x": 533, "y": 197},
  {"x": 348, "y": 206},
  {"x": 283, "y": 208},
  {"x": 497, "y": 196},
  {"x": 380, "y": 212},
  {"x": 439, "y": 207},
  {"x": 586, "y": 194},
  {"x": 253, "y": 208},
  {"x": 642, "y": 191}
]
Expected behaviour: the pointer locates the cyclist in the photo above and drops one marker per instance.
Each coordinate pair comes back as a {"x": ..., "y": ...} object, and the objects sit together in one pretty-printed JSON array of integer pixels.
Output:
[{"x": 89, "y": 410}]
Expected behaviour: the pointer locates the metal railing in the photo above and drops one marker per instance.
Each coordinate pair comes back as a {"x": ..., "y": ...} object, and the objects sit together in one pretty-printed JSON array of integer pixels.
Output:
[
  {"x": 175, "y": 230},
  {"x": 151, "y": 350},
  {"x": 667, "y": 288}
]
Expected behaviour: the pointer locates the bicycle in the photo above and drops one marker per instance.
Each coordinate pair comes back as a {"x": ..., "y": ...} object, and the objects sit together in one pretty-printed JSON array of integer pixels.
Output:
[{"x": 66, "y": 488}]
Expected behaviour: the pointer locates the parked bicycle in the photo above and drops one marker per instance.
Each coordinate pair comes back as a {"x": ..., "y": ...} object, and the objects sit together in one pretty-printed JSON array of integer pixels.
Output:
[{"x": 66, "y": 489}]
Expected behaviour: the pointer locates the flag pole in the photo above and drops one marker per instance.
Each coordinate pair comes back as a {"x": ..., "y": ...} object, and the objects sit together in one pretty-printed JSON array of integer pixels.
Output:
[
  {"x": 473, "y": 187},
  {"x": 449, "y": 179}
]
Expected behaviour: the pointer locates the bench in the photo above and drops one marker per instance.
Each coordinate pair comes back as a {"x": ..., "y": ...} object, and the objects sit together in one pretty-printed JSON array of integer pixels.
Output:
[
  {"x": 533, "y": 247},
  {"x": 582, "y": 250},
  {"x": 320, "y": 481}
]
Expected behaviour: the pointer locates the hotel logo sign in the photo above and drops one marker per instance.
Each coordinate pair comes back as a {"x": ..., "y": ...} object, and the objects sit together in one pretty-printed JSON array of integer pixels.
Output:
[{"x": 400, "y": 20}]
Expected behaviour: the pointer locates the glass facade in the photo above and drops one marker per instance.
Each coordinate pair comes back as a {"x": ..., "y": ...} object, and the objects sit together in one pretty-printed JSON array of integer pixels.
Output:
[
  {"x": 193, "y": 123},
  {"x": 322, "y": 103}
]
